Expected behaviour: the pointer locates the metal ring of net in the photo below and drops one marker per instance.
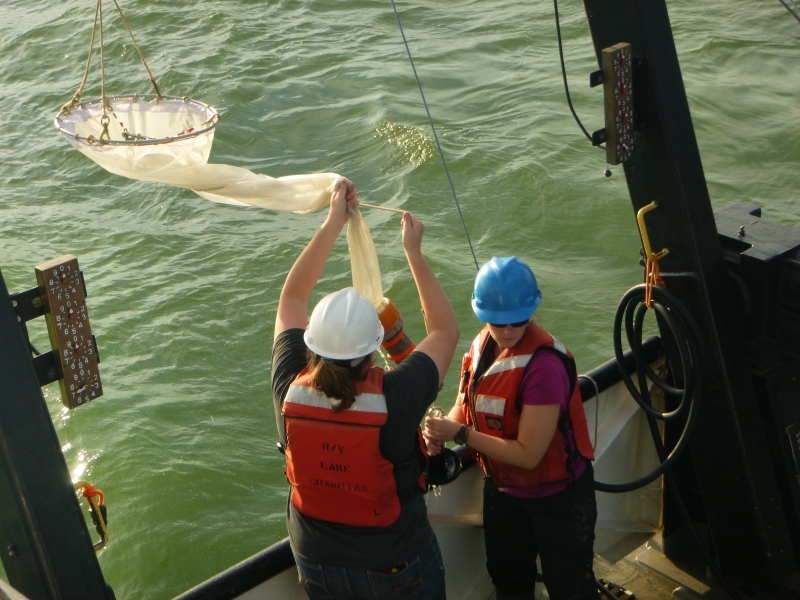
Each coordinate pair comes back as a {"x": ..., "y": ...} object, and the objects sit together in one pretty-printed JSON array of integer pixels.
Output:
[{"x": 136, "y": 120}]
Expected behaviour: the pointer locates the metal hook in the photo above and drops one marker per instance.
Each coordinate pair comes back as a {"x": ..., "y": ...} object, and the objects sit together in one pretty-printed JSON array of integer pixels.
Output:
[
  {"x": 648, "y": 252},
  {"x": 104, "y": 121}
]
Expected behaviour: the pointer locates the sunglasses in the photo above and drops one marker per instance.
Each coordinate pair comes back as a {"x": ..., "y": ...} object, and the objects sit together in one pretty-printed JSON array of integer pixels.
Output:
[{"x": 515, "y": 325}]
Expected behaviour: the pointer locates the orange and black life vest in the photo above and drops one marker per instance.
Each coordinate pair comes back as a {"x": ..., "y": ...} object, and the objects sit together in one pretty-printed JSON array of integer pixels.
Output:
[
  {"x": 334, "y": 464},
  {"x": 492, "y": 408}
]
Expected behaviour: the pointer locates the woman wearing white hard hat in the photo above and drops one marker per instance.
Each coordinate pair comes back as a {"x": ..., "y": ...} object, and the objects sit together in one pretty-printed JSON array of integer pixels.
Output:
[
  {"x": 519, "y": 407},
  {"x": 356, "y": 516}
]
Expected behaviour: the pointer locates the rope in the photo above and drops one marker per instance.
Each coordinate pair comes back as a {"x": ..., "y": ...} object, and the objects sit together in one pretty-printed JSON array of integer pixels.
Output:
[
  {"x": 652, "y": 278},
  {"x": 104, "y": 99},
  {"x": 397, "y": 210},
  {"x": 98, "y": 19},
  {"x": 564, "y": 75},
  {"x": 76, "y": 97},
  {"x": 144, "y": 62},
  {"x": 435, "y": 137}
]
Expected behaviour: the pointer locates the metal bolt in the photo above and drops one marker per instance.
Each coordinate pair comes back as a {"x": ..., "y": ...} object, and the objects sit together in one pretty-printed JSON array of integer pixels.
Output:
[
  {"x": 51, "y": 373},
  {"x": 741, "y": 231},
  {"x": 12, "y": 550},
  {"x": 14, "y": 303},
  {"x": 37, "y": 302}
]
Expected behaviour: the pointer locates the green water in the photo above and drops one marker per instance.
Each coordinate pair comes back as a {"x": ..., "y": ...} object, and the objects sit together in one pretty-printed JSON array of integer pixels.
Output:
[{"x": 182, "y": 292}]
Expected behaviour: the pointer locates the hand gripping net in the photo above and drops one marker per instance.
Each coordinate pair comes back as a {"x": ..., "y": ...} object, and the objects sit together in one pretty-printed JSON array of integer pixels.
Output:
[{"x": 168, "y": 140}]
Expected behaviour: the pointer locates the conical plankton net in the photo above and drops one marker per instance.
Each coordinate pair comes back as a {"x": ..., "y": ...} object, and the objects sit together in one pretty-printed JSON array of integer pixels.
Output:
[{"x": 168, "y": 140}]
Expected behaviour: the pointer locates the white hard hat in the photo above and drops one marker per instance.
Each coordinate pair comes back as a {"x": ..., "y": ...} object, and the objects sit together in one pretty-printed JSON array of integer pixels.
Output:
[{"x": 344, "y": 325}]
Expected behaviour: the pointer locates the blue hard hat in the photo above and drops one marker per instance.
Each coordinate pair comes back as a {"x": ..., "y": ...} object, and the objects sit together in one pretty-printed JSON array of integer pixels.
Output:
[{"x": 505, "y": 291}]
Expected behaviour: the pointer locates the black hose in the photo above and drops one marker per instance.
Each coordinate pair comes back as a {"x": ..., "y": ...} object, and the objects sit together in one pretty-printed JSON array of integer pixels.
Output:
[
  {"x": 564, "y": 75},
  {"x": 679, "y": 321},
  {"x": 675, "y": 317}
]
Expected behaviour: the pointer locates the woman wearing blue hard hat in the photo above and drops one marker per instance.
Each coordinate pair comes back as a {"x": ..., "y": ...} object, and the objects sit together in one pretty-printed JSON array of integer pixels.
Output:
[
  {"x": 356, "y": 516},
  {"x": 519, "y": 407}
]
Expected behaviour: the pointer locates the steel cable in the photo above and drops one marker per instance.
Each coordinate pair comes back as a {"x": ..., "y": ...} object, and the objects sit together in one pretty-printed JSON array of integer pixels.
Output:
[{"x": 435, "y": 136}]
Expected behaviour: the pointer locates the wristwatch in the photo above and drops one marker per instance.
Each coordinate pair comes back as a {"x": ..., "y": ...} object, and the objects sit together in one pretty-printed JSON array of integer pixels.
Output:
[{"x": 461, "y": 436}]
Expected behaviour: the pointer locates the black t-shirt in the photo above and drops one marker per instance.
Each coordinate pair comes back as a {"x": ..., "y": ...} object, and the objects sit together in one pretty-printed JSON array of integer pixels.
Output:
[{"x": 409, "y": 389}]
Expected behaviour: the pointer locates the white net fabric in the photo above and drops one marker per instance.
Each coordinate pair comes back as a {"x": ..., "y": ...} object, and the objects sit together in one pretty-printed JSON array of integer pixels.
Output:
[
  {"x": 169, "y": 141},
  {"x": 364, "y": 260}
]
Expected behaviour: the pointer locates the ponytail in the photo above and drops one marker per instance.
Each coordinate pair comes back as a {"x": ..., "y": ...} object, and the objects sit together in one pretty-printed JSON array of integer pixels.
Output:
[{"x": 336, "y": 379}]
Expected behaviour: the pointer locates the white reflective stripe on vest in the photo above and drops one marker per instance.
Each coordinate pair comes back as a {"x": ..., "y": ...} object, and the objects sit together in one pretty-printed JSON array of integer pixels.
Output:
[
  {"x": 490, "y": 405},
  {"x": 300, "y": 394},
  {"x": 559, "y": 346},
  {"x": 476, "y": 351},
  {"x": 512, "y": 362}
]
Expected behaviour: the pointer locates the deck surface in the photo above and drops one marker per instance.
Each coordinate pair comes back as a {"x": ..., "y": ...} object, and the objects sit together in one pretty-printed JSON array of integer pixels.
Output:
[{"x": 649, "y": 575}]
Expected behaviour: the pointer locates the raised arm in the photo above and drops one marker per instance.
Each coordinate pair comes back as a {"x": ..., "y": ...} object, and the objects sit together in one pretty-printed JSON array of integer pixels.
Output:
[
  {"x": 443, "y": 333},
  {"x": 304, "y": 274}
]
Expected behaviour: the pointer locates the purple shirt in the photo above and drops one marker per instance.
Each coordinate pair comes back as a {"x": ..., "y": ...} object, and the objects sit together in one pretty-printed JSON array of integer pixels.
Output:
[{"x": 546, "y": 381}]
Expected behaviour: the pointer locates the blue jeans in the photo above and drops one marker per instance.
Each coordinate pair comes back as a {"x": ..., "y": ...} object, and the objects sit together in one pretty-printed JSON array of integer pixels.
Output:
[{"x": 422, "y": 579}]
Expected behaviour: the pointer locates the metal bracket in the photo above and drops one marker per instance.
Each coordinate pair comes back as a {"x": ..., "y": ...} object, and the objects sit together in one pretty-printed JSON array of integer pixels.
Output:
[
  {"x": 28, "y": 305},
  {"x": 47, "y": 367}
]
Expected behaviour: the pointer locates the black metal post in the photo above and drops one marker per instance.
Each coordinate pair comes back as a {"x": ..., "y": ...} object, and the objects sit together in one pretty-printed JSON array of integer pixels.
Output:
[
  {"x": 729, "y": 448},
  {"x": 44, "y": 542}
]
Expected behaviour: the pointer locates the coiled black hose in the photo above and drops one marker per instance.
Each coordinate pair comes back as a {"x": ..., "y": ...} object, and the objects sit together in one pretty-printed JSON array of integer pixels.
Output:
[
  {"x": 675, "y": 316},
  {"x": 679, "y": 321}
]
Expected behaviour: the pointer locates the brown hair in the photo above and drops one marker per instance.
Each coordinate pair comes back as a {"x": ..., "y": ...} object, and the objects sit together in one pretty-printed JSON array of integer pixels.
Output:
[{"x": 336, "y": 379}]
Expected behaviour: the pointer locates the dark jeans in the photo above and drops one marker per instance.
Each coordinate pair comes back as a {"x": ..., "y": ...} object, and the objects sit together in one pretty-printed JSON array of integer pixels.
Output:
[
  {"x": 558, "y": 528},
  {"x": 422, "y": 579}
]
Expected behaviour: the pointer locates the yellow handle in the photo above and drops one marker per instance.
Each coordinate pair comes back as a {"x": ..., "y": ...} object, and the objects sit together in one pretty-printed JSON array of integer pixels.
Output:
[{"x": 643, "y": 231}]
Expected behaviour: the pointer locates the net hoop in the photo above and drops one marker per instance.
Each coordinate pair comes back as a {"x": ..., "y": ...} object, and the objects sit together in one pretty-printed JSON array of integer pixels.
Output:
[{"x": 68, "y": 119}]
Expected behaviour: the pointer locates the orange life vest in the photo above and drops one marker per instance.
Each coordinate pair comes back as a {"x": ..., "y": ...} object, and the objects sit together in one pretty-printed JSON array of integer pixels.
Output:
[
  {"x": 491, "y": 407},
  {"x": 334, "y": 464}
]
